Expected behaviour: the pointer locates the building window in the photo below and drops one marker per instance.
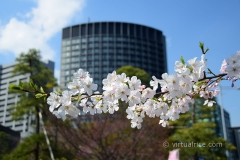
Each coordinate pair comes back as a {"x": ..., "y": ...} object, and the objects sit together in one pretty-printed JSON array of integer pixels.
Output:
[
  {"x": 119, "y": 45},
  {"x": 83, "y": 30},
  {"x": 75, "y": 31},
  {"x": 96, "y": 56},
  {"x": 105, "y": 38},
  {"x": 105, "y": 62},
  {"x": 133, "y": 40},
  {"x": 90, "y": 28},
  {"x": 90, "y": 69},
  {"x": 83, "y": 45},
  {"x": 96, "y": 69},
  {"x": 111, "y": 62},
  {"x": 96, "y": 38},
  {"x": 104, "y": 28},
  {"x": 66, "y": 42},
  {"x": 75, "y": 59},
  {"x": 119, "y": 57},
  {"x": 66, "y": 60},
  {"x": 124, "y": 44},
  {"x": 96, "y": 62},
  {"x": 90, "y": 51},
  {"x": 66, "y": 48},
  {"x": 104, "y": 56},
  {"x": 96, "y": 80},
  {"x": 111, "y": 69},
  {"x": 105, "y": 44},
  {"x": 118, "y": 28},
  {"x": 90, "y": 45},
  {"x": 66, "y": 54},
  {"x": 105, "y": 69},
  {"x": 83, "y": 51},
  {"x": 119, "y": 38},
  {"x": 75, "y": 47},
  {"x": 89, "y": 57},
  {"x": 83, "y": 40},
  {"x": 125, "y": 29},
  {"x": 82, "y": 64},
  {"x": 90, "y": 39},
  {"x": 105, "y": 50},
  {"x": 66, "y": 33},
  {"x": 110, "y": 38},
  {"x": 111, "y": 56},
  {"x": 75, "y": 53},
  {"x": 105, "y": 75},
  {"x": 76, "y": 41},
  {"x": 111, "y": 44},
  {"x": 110, "y": 28},
  {"x": 66, "y": 66},
  {"x": 96, "y": 45},
  {"x": 83, "y": 58},
  {"x": 75, "y": 65},
  {"x": 119, "y": 51},
  {"x": 96, "y": 28}
]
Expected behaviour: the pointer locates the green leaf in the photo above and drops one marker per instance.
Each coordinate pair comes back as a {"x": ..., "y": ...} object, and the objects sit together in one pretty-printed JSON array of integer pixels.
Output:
[
  {"x": 14, "y": 87},
  {"x": 41, "y": 90},
  {"x": 190, "y": 68},
  {"x": 20, "y": 84},
  {"x": 182, "y": 60},
  {"x": 33, "y": 85},
  {"x": 45, "y": 98},
  {"x": 59, "y": 91},
  {"x": 39, "y": 95},
  {"x": 201, "y": 45},
  {"x": 79, "y": 98},
  {"x": 207, "y": 50}
]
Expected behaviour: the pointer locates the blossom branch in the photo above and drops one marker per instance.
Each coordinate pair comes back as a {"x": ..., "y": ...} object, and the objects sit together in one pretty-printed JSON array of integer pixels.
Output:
[
  {"x": 215, "y": 76},
  {"x": 177, "y": 91}
]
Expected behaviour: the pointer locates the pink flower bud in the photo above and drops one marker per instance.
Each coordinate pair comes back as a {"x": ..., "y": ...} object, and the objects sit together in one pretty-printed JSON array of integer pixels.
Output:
[{"x": 142, "y": 87}]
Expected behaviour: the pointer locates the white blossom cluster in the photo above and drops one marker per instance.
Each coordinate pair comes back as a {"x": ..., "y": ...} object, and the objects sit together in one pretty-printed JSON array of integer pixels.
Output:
[
  {"x": 177, "y": 91},
  {"x": 81, "y": 84},
  {"x": 231, "y": 66}
]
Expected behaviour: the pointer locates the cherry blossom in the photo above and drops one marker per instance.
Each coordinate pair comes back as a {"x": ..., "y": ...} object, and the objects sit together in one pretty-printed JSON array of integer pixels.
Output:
[{"x": 178, "y": 91}]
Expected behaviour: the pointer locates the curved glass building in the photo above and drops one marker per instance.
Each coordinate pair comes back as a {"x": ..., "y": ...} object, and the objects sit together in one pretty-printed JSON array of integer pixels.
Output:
[{"x": 102, "y": 47}]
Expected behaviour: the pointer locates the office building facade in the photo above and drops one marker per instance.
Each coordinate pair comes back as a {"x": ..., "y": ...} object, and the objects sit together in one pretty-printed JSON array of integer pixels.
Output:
[
  {"x": 236, "y": 142},
  {"x": 8, "y": 100},
  {"x": 103, "y": 47}
]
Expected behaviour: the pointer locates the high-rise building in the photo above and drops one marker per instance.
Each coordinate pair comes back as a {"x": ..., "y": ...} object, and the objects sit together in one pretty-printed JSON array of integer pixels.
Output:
[
  {"x": 236, "y": 143},
  {"x": 232, "y": 133},
  {"x": 102, "y": 47},
  {"x": 8, "y": 100}
]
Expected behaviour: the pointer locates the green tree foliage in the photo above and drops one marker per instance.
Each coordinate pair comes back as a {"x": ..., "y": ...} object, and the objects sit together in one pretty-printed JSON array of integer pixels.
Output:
[
  {"x": 30, "y": 63},
  {"x": 4, "y": 144},
  {"x": 40, "y": 75},
  {"x": 27, "y": 146},
  {"x": 197, "y": 129},
  {"x": 133, "y": 71}
]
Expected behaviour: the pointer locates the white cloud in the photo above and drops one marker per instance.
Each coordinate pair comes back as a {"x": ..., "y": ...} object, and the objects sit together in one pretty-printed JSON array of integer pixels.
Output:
[{"x": 44, "y": 21}]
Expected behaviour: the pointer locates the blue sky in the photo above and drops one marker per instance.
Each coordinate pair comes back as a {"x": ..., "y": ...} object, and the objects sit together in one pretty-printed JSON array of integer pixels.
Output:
[{"x": 37, "y": 24}]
